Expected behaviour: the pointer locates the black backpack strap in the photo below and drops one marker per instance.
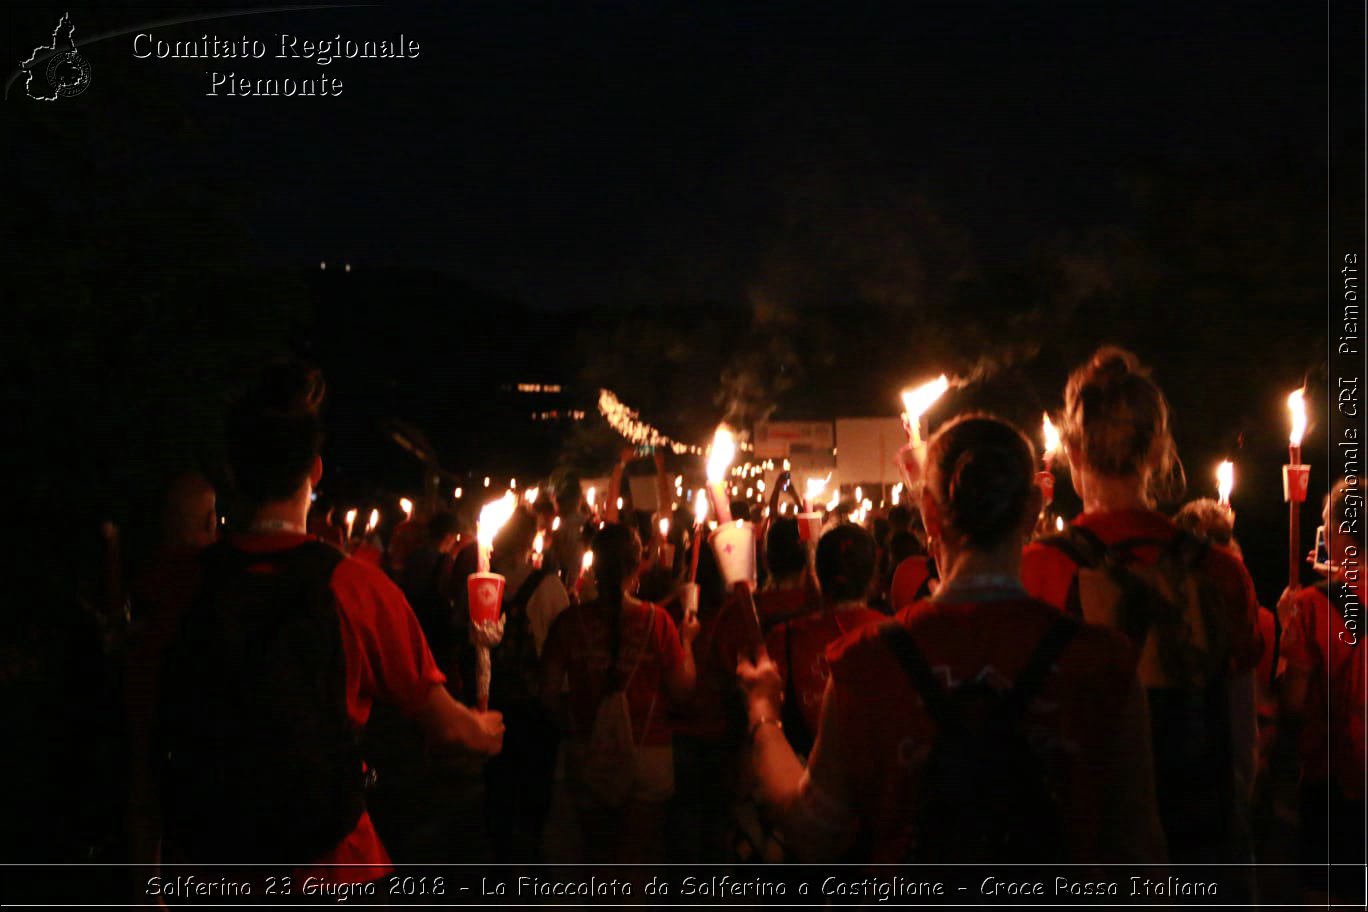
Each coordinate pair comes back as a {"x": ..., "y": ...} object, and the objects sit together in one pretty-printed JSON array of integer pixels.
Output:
[
  {"x": 900, "y": 642},
  {"x": 525, "y": 592},
  {"x": 932, "y": 575},
  {"x": 1079, "y": 545},
  {"x": 1032, "y": 677}
]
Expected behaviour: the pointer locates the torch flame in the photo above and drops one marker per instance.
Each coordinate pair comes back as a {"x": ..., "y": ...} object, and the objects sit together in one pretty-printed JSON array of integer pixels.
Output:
[
  {"x": 815, "y": 486},
  {"x": 721, "y": 454},
  {"x": 1225, "y": 480},
  {"x": 834, "y": 502},
  {"x": 1051, "y": 435},
  {"x": 917, "y": 401},
  {"x": 373, "y": 521},
  {"x": 664, "y": 527},
  {"x": 896, "y": 493},
  {"x": 351, "y": 520},
  {"x": 539, "y": 543},
  {"x": 700, "y": 507},
  {"x": 590, "y": 495},
  {"x": 407, "y": 506},
  {"x": 588, "y": 562},
  {"x": 492, "y": 517},
  {"x": 1296, "y": 404},
  {"x": 555, "y": 524},
  {"x": 531, "y": 494},
  {"x": 1059, "y": 524}
]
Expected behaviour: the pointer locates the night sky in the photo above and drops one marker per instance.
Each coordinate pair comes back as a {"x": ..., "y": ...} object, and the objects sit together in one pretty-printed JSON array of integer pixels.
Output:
[{"x": 569, "y": 153}]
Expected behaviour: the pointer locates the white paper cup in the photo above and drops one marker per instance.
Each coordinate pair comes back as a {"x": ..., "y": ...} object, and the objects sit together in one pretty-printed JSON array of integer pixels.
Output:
[
  {"x": 486, "y": 597},
  {"x": 734, "y": 545},
  {"x": 688, "y": 599},
  {"x": 810, "y": 526}
]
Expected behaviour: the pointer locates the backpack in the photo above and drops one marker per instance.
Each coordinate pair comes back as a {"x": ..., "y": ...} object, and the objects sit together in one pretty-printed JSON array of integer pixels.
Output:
[
  {"x": 1170, "y": 610},
  {"x": 800, "y": 735},
  {"x": 516, "y": 668},
  {"x": 256, "y": 756},
  {"x": 609, "y": 769},
  {"x": 984, "y": 795}
]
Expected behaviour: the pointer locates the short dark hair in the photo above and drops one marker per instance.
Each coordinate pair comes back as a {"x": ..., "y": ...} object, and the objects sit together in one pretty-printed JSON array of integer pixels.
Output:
[
  {"x": 442, "y": 524},
  {"x": 275, "y": 432},
  {"x": 784, "y": 549},
  {"x": 845, "y": 562}
]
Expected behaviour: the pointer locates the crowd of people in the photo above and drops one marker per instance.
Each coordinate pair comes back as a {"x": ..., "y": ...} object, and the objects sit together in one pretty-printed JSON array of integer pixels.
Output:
[{"x": 940, "y": 683}]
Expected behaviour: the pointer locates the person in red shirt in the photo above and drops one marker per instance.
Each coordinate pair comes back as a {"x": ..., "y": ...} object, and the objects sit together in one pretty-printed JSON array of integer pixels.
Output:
[
  {"x": 1121, "y": 458},
  {"x": 708, "y": 728},
  {"x": 980, "y": 634},
  {"x": 845, "y": 569},
  {"x": 274, "y": 438},
  {"x": 1323, "y": 694},
  {"x": 617, "y": 643},
  {"x": 789, "y": 591}
]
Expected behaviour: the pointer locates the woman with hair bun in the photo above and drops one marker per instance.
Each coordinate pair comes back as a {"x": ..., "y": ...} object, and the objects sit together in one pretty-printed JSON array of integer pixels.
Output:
[
  {"x": 1188, "y": 606},
  {"x": 981, "y": 726}
]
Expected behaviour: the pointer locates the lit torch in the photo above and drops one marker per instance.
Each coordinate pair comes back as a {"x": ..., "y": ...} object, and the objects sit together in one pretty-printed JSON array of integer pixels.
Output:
[
  {"x": 1296, "y": 478},
  {"x": 407, "y": 506},
  {"x": 1045, "y": 478},
  {"x": 351, "y": 521},
  {"x": 917, "y": 401},
  {"x": 720, "y": 457},
  {"x": 666, "y": 553},
  {"x": 1225, "y": 482},
  {"x": 373, "y": 521},
  {"x": 538, "y": 546},
  {"x": 492, "y": 517},
  {"x": 485, "y": 592},
  {"x": 812, "y": 489},
  {"x": 700, "y": 517},
  {"x": 1051, "y": 441}
]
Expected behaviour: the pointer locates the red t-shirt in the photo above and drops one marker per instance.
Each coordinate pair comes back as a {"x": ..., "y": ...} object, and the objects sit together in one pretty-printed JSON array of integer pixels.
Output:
[
  {"x": 887, "y": 734},
  {"x": 723, "y": 637},
  {"x": 386, "y": 658},
  {"x": 806, "y": 640},
  {"x": 1048, "y": 573},
  {"x": 1316, "y": 641},
  {"x": 579, "y": 639},
  {"x": 908, "y": 579},
  {"x": 778, "y": 605}
]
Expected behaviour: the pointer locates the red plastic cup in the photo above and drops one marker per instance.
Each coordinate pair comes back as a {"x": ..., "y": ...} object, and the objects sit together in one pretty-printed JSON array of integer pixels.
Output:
[
  {"x": 486, "y": 597},
  {"x": 1296, "y": 479},
  {"x": 810, "y": 526}
]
